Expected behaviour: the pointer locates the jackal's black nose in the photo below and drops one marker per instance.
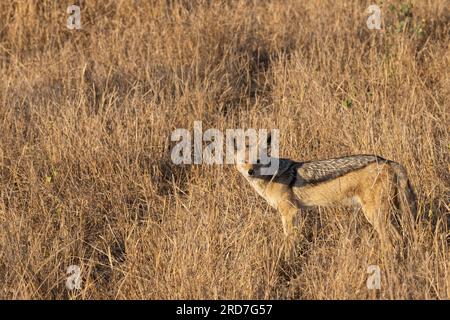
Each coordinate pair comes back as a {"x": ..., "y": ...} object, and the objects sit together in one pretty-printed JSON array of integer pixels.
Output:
[{"x": 251, "y": 172}]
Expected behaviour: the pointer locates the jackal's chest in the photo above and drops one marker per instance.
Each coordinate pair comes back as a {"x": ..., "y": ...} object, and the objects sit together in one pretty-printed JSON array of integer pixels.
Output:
[{"x": 263, "y": 189}]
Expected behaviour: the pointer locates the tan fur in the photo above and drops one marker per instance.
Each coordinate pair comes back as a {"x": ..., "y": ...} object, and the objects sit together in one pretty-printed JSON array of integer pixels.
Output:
[{"x": 370, "y": 182}]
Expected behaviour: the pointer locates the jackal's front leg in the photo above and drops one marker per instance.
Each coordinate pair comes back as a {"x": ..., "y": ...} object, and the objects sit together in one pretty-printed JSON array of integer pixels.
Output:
[{"x": 288, "y": 211}]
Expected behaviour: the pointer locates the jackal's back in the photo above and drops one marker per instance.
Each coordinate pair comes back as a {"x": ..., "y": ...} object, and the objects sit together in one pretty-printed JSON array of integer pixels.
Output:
[{"x": 321, "y": 170}]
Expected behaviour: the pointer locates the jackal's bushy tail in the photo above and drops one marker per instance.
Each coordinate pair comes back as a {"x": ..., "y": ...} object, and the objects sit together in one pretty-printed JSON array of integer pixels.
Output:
[{"x": 406, "y": 196}]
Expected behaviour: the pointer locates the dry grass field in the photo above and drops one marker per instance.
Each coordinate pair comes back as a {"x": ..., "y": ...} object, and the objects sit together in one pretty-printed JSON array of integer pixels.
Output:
[{"x": 86, "y": 118}]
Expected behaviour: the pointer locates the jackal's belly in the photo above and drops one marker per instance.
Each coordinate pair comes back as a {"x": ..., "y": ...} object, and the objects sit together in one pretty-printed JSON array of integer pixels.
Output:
[
  {"x": 325, "y": 196},
  {"x": 328, "y": 201}
]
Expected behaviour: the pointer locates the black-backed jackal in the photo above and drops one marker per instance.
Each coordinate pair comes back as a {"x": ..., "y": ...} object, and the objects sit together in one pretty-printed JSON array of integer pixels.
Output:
[{"x": 371, "y": 182}]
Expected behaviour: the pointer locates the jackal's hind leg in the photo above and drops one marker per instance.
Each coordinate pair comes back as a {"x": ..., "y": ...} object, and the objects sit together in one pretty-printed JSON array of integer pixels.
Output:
[{"x": 376, "y": 208}]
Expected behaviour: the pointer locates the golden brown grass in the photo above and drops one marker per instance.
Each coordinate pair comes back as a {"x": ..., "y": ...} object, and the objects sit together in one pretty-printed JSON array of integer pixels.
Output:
[{"x": 85, "y": 123}]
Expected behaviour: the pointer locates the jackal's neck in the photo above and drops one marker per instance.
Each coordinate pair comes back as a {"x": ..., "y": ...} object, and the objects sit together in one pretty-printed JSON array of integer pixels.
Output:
[{"x": 260, "y": 185}]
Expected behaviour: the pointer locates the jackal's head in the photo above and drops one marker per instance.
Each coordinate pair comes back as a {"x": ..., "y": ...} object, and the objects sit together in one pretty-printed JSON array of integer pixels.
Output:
[{"x": 252, "y": 157}]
